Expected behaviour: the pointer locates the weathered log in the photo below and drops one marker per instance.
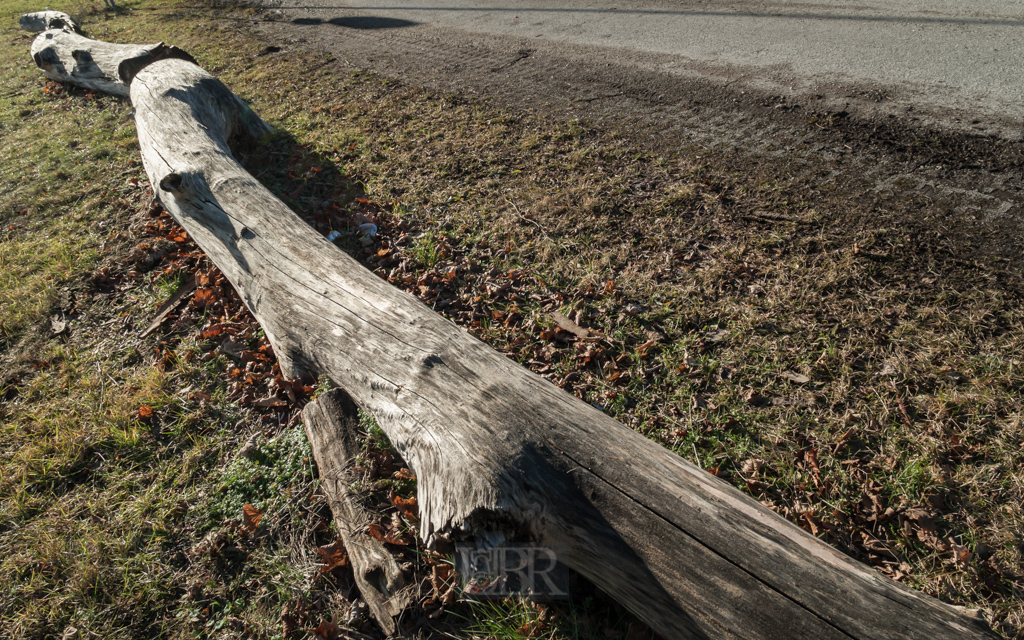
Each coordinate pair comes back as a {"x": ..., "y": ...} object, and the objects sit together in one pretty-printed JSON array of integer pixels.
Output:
[
  {"x": 67, "y": 56},
  {"x": 331, "y": 422},
  {"x": 497, "y": 450},
  {"x": 43, "y": 20}
]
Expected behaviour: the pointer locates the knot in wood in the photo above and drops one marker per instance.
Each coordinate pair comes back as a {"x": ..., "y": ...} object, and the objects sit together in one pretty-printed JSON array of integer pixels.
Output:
[
  {"x": 431, "y": 360},
  {"x": 171, "y": 182}
]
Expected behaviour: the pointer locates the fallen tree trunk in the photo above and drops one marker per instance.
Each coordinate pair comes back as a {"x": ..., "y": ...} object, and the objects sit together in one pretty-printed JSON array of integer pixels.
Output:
[
  {"x": 43, "y": 20},
  {"x": 497, "y": 450},
  {"x": 65, "y": 55}
]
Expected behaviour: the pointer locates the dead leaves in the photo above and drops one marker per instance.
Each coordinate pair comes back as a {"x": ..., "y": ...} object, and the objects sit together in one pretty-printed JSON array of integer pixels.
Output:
[
  {"x": 643, "y": 349},
  {"x": 204, "y": 297},
  {"x": 811, "y": 458},
  {"x": 405, "y": 506},
  {"x": 293, "y": 616},
  {"x": 919, "y": 521},
  {"x": 394, "y": 532},
  {"x": 207, "y": 308},
  {"x": 796, "y": 378},
  {"x": 880, "y": 528},
  {"x": 381, "y": 463},
  {"x": 270, "y": 401},
  {"x": 496, "y": 305},
  {"x": 568, "y": 325},
  {"x": 251, "y": 517},
  {"x": 404, "y": 474},
  {"x": 332, "y": 556},
  {"x": 444, "y": 583},
  {"x": 329, "y": 630}
]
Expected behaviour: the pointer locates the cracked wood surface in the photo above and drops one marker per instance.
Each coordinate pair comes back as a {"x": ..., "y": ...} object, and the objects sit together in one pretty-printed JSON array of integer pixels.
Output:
[
  {"x": 497, "y": 450},
  {"x": 495, "y": 447}
]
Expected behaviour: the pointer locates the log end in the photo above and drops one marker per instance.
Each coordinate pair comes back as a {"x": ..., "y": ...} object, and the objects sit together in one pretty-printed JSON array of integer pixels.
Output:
[{"x": 48, "y": 60}]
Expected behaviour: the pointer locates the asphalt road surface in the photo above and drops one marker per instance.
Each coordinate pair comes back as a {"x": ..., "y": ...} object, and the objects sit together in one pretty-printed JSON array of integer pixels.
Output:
[{"x": 958, "y": 62}]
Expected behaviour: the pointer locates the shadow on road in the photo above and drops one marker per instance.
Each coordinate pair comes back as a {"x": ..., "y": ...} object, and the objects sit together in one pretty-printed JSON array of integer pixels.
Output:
[{"x": 359, "y": 22}]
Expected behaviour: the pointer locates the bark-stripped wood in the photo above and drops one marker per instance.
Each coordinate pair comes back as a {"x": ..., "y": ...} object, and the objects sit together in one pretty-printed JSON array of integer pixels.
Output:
[
  {"x": 497, "y": 450},
  {"x": 66, "y": 56},
  {"x": 331, "y": 423},
  {"x": 43, "y": 20}
]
